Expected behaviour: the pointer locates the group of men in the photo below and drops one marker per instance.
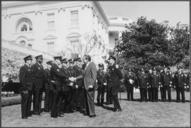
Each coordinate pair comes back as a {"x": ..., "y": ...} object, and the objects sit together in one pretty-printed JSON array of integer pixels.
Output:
[
  {"x": 151, "y": 81},
  {"x": 69, "y": 85}
]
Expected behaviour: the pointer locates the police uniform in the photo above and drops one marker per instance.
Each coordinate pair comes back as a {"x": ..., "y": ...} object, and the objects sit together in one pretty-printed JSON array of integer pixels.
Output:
[
  {"x": 114, "y": 77},
  {"x": 56, "y": 80},
  {"x": 101, "y": 82},
  {"x": 130, "y": 80},
  {"x": 48, "y": 92},
  {"x": 180, "y": 87},
  {"x": 26, "y": 80},
  {"x": 143, "y": 81},
  {"x": 167, "y": 84},
  {"x": 155, "y": 84},
  {"x": 150, "y": 88},
  {"x": 39, "y": 79}
]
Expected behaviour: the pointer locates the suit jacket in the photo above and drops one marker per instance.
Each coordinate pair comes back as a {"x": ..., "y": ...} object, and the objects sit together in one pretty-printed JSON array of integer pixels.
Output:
[
  {"x": 90, "y": 75},
  {"x": 26, "y": 78}
]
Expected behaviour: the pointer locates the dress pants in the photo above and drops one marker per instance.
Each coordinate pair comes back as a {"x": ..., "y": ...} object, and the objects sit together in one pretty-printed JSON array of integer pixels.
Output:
[
  {"x": 90, "y": 102},
  {"x": 26, "y": 99}
]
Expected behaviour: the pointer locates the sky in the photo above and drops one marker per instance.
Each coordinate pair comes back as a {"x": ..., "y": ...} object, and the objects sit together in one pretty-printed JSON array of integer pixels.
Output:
[{"x": 173, "y": 11}]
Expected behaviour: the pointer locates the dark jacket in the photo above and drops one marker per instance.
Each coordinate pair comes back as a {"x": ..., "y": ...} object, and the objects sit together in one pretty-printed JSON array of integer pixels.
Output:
[
  {"x": 114, "y": 76},
  {"x": 26, "y": 78},
  {"x": 57, "y": 76},
  {"x": 143, "y": 80},
  {"x": 101, "y": 77},
  {"x": 38, "y": 75},
  {"x": 167, "y": 79},
  {"x": 180, "y": 79},
  {"x": 128, "y": 77},
  {"x": 155, "y": 80}
]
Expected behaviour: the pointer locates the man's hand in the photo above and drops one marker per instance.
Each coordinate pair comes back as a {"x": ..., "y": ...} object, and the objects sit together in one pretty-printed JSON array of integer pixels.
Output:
[{"x": 72, "y": 79}]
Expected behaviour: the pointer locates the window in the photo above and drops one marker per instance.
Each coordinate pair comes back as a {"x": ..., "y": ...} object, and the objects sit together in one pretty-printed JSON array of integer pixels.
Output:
[
  {"x": 76, "y": 46},
  {"x": 51, "y": 24},
  {"x": 30, "y": 45},
  {"x": 24, "y": 25},
  {"x": 50, "y": 15},
  {"x": 22, "y": 42},
  {"x": 74, "y": 18},
  {"x": 50, "y": 45}
]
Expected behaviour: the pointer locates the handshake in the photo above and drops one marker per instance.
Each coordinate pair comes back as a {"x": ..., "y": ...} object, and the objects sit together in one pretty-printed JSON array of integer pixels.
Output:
[{"x": 72, "y": 79}]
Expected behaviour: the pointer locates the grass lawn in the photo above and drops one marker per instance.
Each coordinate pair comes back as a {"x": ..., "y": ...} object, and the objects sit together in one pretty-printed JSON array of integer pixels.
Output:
[{"x": 134, "y": 114}]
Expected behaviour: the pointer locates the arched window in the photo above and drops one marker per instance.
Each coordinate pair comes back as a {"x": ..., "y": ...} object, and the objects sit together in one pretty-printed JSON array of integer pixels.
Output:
[
  {"x": 24, "y": 25},
  {"x": 22, "y": 42}
]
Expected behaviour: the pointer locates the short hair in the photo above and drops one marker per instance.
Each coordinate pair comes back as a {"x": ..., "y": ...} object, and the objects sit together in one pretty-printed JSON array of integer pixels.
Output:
[{"x": 87, "y": 57}]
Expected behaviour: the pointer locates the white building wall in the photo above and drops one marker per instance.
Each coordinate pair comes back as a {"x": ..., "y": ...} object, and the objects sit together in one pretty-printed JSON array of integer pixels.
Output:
[{"x": 37, "y": 13}]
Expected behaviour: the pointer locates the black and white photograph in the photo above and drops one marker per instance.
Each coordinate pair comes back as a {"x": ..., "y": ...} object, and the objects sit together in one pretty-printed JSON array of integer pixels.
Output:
[{"x": 95, "y": 63}]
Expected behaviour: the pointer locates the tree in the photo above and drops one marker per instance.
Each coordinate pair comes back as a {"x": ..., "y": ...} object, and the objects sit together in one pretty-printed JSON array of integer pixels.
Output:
[
  {"x": 144, "y": 44},
  {"x": 179, "y": 45}
]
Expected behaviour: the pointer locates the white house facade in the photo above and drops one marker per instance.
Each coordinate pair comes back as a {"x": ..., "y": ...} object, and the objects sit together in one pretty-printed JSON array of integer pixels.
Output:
[
  {"x": 54, "y": 27},
  {"x": 60, "y": 27}
]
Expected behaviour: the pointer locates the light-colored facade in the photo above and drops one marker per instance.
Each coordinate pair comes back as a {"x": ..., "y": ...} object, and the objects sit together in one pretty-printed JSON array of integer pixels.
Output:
[
  {"x": 53, "y": 28},
  {"x": 117, "y": 26}
]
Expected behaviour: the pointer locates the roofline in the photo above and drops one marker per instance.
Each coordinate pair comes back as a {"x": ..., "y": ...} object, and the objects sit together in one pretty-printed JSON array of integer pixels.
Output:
[{"x": 97, "y": 4}]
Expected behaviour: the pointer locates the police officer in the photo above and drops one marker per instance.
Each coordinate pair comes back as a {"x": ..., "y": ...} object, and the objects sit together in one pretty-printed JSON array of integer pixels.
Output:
[
  {"x": 161, "y": 84},
  {"x": 39, "y": 79},
  {"x": 48, "y": 92},
  {"x": 155, "y": 84},
  {"x": 79, "y": 87},
  {"x": 180, "y": 86},
  {"x": 143, "y": 82},
  {"x": 114, "y": 76},
  {"x": 72, "y": 73},
  {"x": 26, "y": 80},
  {"x": 167, "y": 84},
  {"x": 130, "y": 79},
  {"x": 101, "y": 82},
  {"x": 56, "y": 80},
  {"x": 149, "y": 86}
]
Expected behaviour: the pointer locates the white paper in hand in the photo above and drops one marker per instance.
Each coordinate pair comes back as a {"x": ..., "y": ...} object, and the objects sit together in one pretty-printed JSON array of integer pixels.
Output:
[{"x": 131, "y": 81}]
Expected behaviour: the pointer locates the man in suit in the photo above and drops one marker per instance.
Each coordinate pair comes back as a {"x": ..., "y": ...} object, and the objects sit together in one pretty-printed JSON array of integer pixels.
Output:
[
  {"x": 101, "y": 81},
  {"x": 39, "y": 80},
  {"x": 26, "y": 80},
  {"x": 114, "y": 76},
  {"x": 48, "y": 92},
  {"x": 89, "y": 76}
]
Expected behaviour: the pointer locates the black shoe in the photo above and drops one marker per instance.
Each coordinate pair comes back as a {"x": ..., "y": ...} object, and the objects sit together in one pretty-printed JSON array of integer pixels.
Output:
[
  {"x": 92, "y": 116},
  {"x": 24, "y": 117}
]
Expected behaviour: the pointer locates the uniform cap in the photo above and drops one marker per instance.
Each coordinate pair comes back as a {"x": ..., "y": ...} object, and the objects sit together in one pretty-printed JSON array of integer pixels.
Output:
[
  {"x": 64, "y": 61},
  {"x": 39, "y": 56},
  {"x": 58, "y": 57},
  {"x": 49, "y": 62},
  {"x": 29, "y": 57}
]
